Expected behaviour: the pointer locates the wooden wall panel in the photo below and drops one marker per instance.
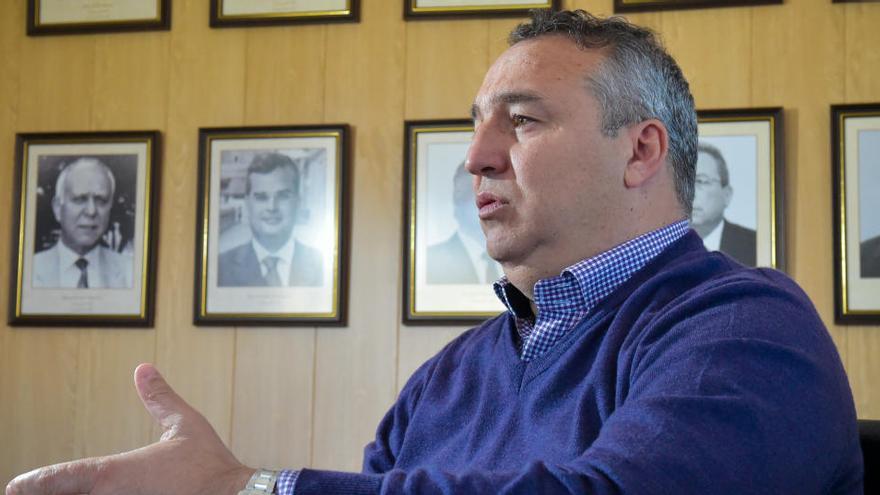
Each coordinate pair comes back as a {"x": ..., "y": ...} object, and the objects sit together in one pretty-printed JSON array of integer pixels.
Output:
[
  {"x": 355, "y": 365},
  {"x": 862, "y": 59},
  {"x": 306, "y": 396}
]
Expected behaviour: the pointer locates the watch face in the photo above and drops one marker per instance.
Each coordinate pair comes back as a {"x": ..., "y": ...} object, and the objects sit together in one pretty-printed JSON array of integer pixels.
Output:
[{"x": 252, "y": 491}]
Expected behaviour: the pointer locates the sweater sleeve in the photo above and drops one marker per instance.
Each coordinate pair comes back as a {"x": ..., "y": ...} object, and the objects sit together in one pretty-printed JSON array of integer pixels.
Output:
[{"x": 737, "y": 390}]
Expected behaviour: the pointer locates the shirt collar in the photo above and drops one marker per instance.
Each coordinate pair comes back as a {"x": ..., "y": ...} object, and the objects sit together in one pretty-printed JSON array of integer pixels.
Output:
[
  {"x": 285, "y": 253},
  {"x": 713, "y": 240},
  {"x": 592, "y": 279},
  {"x": 67, "y": 257}
]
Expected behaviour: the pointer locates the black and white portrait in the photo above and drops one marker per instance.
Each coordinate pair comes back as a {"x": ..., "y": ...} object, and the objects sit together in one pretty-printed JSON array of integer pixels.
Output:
[
  {"x": 460, "y": 258},
  {"x": 85, "y": 222},
  {"x": 869, "y": 198},
  {"x": 272, "y": 216},
  {"x": 263, "y": 201},
  {"x": 448, "y": 273},
  {"x": 724, "y": 196},
  {"x": 738, "y": 206}
]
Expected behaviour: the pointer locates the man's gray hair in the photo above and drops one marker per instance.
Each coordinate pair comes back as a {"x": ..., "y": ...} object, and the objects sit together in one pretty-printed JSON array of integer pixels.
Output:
[
  {"x": 85, "y": 160},
  {"x": 637, "y": 80}
]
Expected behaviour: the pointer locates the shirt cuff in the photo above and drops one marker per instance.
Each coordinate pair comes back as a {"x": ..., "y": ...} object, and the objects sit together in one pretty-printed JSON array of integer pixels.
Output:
[{"x": 286, "y": 482}]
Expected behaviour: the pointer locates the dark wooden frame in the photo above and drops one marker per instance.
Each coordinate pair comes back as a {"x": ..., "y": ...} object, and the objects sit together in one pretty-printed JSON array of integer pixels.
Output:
[
  {"x": 410, "y": 316},
  {"x": 343, "y": 146},
  {"x": 842, "y": 313},
  {"x": 353, "y": 14},
  {"x": 654, "y": 5},
  {"x": 412, "y": 13},
  {"x": 36, "y": 29},
  {"x": 148, "y": 275},
  {"x": 775, "y": 116}
]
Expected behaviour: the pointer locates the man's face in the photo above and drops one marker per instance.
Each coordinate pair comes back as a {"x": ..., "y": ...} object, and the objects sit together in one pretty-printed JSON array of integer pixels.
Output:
[
  {"x": 546, "y": 177},
  {"x": 710, "y": 197},
  {"x": 271, "y": 204},
  {"x": 83, "y": 207}
]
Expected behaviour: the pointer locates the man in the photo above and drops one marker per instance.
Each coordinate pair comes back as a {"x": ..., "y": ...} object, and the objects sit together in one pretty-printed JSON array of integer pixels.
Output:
[
  {"x": 712, "y": 196},
  {"x": 272, "y": 257},
  {"x": 462, "y": 258},
  {"x": 870, "y": 257},
  {"x": 83, "y": 198},
  {"x": 631, "y": 360}
]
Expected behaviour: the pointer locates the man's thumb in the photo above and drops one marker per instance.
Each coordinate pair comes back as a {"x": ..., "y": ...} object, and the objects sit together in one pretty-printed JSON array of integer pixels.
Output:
[{"x": 163, "y": 404}]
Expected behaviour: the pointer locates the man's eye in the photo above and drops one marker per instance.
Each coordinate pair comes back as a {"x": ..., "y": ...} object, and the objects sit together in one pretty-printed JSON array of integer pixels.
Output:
[
  {"x": 261, "y": 197},
  {"x": 520, "y": 120}
]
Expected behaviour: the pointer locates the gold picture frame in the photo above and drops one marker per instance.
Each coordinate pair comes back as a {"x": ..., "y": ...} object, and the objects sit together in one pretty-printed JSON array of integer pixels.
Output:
[
  {"x": 275, "y": 194},
  {"x": 251, "y": 13},
  {"x": 84, "y": 239},
  {"x": 429, "y": 9},
  {"x": 855, "y": 145},
  {"x": 447, "y": 276},
  {"x": 48, "y": 17}
]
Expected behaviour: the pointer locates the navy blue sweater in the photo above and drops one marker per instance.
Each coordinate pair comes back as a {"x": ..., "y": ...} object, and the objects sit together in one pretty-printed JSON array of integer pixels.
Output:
[{"x": 696, "y": 376}]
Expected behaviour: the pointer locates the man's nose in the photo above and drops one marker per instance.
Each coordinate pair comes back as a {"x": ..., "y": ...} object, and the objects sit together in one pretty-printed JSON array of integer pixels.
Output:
[
  {"x": 91, "y": 208},
  {"x": 489, "y": 152}
]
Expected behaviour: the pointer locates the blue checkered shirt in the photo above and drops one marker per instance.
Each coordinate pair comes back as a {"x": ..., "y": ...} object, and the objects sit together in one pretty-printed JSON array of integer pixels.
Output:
[{"x": 564, "y": 300}]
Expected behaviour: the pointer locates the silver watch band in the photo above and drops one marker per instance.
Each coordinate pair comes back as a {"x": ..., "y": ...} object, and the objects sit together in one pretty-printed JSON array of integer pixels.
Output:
[{"x": 261, "y": 483}]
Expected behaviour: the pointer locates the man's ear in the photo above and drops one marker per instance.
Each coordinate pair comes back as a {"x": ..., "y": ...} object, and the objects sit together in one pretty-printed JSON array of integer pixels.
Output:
[
  {"x": 56, "y": 208},
  {"x": 650, "y": 144}
]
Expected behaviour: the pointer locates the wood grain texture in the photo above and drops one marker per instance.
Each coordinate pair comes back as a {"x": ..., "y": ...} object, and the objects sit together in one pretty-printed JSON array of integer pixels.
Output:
[
  {"x": 355, "y": 366},
  {"x": 289, "y": 397},
  {"x": 862, "y": 60}
]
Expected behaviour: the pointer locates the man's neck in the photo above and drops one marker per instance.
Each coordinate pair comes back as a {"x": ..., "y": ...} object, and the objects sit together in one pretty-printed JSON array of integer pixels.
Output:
[
  {"x": 540, "y": 265},
  {"x": 705, "y": 229}
]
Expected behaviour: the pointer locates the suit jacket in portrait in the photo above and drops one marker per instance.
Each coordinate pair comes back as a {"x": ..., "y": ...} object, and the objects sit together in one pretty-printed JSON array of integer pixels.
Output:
[
  {"x": 114, "y": 271},
  {"x": 870, "y": 257},
  {"x": 240, "y": 267},
  {"x": 448, "y": 263},
  {"x": 739, "y": 243}
]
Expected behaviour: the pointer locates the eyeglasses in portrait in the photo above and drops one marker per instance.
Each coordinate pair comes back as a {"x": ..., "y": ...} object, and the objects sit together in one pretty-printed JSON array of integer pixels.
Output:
[
  {"x": 84, "y": 220},
  {"x": 271, "y": 222},
  {"x": 855, "y": 136},
  {"x": 448, "y": 274}
]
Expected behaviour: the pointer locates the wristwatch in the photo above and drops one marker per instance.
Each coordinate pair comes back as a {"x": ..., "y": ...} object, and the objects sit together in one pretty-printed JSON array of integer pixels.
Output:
[{"x": 261, "y": 483}]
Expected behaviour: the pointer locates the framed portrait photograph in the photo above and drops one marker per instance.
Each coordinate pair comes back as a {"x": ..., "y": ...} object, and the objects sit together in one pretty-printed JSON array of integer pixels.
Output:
[
  {"x": 649, "y": 5},
  {"x": 84, "y": 232},
  {"x": 448, "y": 275},
  {"x": 239, "y": 13},
  {"x": 427, "y": 9},
  {"x": 95, "y": 16},
  {"x": 738, "y": 194},
  {"x": 271, "y": 247},
  {"x": 855, "y": 145}
]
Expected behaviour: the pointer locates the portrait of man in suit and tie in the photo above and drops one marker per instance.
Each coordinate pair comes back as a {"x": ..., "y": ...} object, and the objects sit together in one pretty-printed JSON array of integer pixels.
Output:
[
  {"x": 462, "y": 257},
  {"x": 272, "y": 257},
  {"x": 86, "y": 254},
  {"x": 713, "y": 194}
]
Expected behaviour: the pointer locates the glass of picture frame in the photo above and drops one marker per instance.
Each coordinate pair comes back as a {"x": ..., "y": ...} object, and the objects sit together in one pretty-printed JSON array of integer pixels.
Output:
[
  {"x": 85, "y": 211},
  {"x": 272, "y": 220},
  {"x": 447, "y": 276},
  {"x": 855, "y": 144}
]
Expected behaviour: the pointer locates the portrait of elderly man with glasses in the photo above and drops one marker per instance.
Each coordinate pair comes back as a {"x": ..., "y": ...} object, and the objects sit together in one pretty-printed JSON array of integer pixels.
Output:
[{"x": 712, "y": 195}]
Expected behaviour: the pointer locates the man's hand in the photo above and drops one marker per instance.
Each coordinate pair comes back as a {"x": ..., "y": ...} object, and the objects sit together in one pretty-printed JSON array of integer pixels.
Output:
[{"x": 189, "y": 458}]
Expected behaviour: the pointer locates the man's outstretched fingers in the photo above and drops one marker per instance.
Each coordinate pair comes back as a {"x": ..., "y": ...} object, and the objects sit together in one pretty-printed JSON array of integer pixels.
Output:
[{"x": 69, "y": 478}]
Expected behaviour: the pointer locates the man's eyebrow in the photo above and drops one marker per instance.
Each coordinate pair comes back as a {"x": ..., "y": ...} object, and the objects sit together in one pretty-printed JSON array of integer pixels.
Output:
[{"x": 507, "y": 98}]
